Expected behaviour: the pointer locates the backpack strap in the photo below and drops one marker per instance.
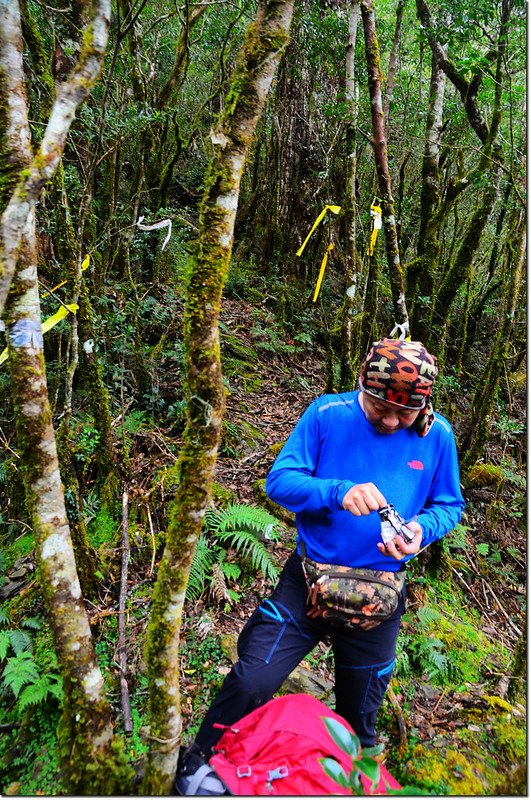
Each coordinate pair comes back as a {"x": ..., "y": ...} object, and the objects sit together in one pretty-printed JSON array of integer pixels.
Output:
[{"x": 205, "y": 779}]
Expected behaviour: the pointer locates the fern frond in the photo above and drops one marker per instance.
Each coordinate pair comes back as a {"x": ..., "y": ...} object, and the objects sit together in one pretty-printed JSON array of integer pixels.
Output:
[
  {"x": 427, "y": 615},
  {"x": 4, "y": 619},
  {"x": 31, "y": 622},
  {"x": 248, "y": 546},
  {"x": 5, "y": 643},
  {"x": 19, "y": 640},
  {"x": 19, "y": 671},
  {"x": 204, "y": 557},
  {"x": 38, "y": 692},
  {"x": 218, "y": 585},
  {"x": 242, "y": 516},
  {"x": 231, "y": 571}
]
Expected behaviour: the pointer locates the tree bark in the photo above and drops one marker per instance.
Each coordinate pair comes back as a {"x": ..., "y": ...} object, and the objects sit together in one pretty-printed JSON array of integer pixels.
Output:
[
  {"x": 421, "y": 273},
  {"x": 379, "y": 143},
  {"x": 352, "y": 260},
  {"x": 390, "y": 82},
  {"x": 231, "y": 138}
]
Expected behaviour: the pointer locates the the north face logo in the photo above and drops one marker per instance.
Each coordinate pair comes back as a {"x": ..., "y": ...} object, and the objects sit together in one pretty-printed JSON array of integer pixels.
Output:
[{"x": 415, "y": 464}]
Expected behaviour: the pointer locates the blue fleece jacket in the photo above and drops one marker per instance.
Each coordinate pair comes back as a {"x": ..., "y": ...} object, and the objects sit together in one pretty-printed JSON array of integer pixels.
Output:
[{"x": 334, "y": 447}]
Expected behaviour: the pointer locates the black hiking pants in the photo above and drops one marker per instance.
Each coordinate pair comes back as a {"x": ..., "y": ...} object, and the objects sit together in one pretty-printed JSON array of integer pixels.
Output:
[{"x": 278, "y": 635}]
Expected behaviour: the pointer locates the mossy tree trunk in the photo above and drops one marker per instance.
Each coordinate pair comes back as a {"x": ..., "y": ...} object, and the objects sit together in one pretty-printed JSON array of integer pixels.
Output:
[
  {"x": 353, "y": 266},
  {"x": 91, "y": 757},
  {"x": 421, "y": 272},
  {"x": 390, "y": 82},
  {"x": 379, "y": 143},
  {"x": 479, "y": 422},
  {"x": 231, "y": 138}
]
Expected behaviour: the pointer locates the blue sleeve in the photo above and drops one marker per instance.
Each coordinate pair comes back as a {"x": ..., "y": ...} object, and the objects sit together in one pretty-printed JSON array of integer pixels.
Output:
[
  {"x": 444, "y": 505},
  {"x": 292, "y": 483}
]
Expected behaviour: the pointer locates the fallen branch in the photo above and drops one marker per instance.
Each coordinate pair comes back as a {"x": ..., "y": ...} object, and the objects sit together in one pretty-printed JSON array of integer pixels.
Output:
[
  {"x": 122, "y": 650},
  {"x": 399, "y": 714},
  {"x": 153, "y": 548},
  {"x": 504, "y": 612}
]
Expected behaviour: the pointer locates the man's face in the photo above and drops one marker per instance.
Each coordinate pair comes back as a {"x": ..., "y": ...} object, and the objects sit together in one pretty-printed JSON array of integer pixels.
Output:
[{"x": 386, "y": 417}]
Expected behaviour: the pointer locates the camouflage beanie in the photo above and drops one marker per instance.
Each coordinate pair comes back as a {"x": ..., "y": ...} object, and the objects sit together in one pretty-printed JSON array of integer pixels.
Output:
[{"x": 402, "y": 373}]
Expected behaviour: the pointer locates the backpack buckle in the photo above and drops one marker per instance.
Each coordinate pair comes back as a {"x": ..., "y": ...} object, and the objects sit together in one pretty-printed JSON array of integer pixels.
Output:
[
  {"x": 244, "y": 772},
  {"x": 279, "y": 772}
]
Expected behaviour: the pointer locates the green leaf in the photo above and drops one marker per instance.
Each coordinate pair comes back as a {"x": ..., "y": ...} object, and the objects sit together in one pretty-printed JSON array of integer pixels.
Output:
[
  {"x": 4, "y": 644},
  {"x": 370, "y": 768},
  {"x": 371, "y": 752},
  {"x": 335, "y": 771},
  {"x": 348, "y": 742},
  {"x": 482, "y": 548},
  {"x": 230, "y": 570}
]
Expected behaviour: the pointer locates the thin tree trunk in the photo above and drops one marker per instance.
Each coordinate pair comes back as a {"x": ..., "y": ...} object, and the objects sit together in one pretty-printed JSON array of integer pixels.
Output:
[
  {"x": 352, "y": 261},
  {"x": 390, "y": 82},
  {"x": 480, "y": 419},
  {"x": 231, "y": 137},
  {"x": 421, "y": 273},
  {"x": 379, "y": 142}
]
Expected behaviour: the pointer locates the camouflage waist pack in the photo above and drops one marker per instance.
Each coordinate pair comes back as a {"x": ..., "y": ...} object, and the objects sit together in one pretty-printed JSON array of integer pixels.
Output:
[{"x": 351, "y": 597}]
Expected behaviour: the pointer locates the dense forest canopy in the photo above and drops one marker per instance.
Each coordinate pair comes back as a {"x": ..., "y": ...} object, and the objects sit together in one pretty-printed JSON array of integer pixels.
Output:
[{"x": 163, "y": 164}]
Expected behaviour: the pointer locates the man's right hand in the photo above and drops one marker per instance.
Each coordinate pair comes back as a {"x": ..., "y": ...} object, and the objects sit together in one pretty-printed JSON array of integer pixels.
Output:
[{"x": 363, "y": 498}]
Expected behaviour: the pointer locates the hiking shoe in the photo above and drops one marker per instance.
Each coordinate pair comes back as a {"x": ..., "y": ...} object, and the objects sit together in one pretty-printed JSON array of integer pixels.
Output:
[{"x": 195, "y": 777}]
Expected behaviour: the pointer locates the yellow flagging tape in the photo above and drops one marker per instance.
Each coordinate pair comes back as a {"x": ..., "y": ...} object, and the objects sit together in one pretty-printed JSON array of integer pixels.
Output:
[
  {"x": 333, "y": 209},
  {"x": 322, "y": 272},
  {"x": 84, "y": 265},
  {"x": 49, "y": 323},
  {"x": 376, "y": 212}
]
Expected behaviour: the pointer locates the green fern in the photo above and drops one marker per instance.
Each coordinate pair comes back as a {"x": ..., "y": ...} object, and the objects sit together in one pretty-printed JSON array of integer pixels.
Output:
[
  {"x": 204, "y": 558},
  {"x": 240, "y": 527},
  {"x": 5, "y": 644},
  {"x": 31, "y": 622},
  {"x": 19, "y": 671},
  {"x": 434, "y": 662},
  {"x": 249, "y": 547},
  {"x": 38, "y": 692},
  {"x": 20, "y": 640},
  {"x": 243, "y": 517}
]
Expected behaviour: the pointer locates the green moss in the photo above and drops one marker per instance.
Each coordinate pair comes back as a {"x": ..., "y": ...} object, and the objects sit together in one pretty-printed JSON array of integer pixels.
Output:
[
  {"x": 481, "y": 475},
  {"x": 450, "y": 772},
  {"x": 275, "y": 449},
  {"x": 262, "y": 499},
  {"x": 102, "y": 530},
  {"x": 221, "y": 496},
  {"x": 510, "y": 739}
]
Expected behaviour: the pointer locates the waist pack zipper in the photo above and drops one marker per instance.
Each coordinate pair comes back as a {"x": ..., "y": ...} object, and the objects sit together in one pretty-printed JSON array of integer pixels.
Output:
[{"x": 365, "y": 578}]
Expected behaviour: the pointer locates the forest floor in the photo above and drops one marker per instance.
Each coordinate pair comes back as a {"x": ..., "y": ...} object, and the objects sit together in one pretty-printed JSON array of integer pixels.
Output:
[{"x": 447, "y": 724}]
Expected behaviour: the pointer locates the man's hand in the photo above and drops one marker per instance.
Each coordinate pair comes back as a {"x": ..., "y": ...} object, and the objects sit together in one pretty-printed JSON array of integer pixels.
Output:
[
  {"x": 363, "y": 498},
  {"x": 398, "y": 548}
]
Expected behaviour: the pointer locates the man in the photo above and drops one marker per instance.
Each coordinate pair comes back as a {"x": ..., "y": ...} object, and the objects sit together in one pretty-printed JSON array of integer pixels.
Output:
[{"x": 349, "y": 455}]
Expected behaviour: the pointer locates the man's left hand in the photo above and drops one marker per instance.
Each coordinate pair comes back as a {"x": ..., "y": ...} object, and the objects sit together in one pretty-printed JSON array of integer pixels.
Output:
[{"x": 398, "y": 548}]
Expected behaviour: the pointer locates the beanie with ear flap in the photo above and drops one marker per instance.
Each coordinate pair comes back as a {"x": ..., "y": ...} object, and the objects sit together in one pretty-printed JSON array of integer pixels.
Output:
[{"x": 402, "y": 373}]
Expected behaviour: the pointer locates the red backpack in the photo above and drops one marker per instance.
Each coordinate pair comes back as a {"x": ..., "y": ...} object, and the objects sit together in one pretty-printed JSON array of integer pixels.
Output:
[{"x": 275, "y": 750}]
